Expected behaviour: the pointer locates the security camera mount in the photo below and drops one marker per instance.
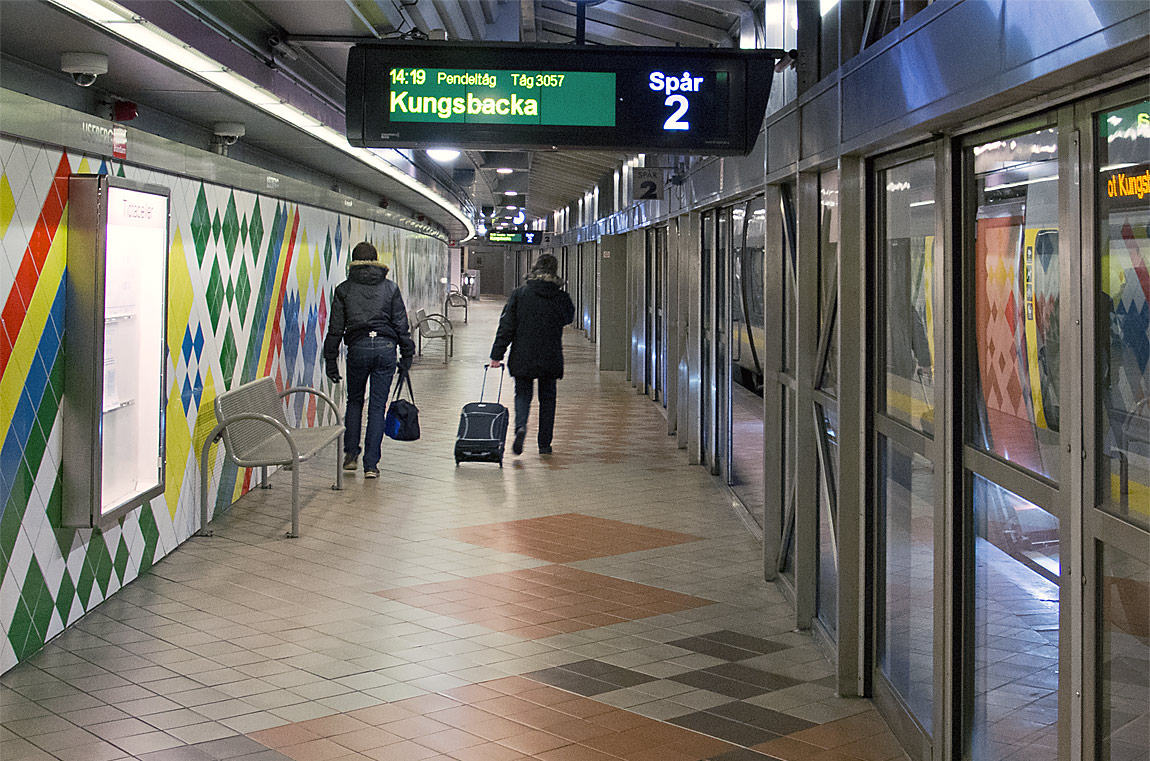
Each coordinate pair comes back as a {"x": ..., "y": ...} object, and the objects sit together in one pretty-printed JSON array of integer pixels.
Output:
[{"x": 84, "y": 67}]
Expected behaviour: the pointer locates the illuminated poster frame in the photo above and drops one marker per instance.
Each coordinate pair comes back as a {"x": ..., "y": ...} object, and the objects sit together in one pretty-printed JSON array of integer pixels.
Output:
[
  {"x": 115, "y": 360},
  {"x": 403, "y": 94}
]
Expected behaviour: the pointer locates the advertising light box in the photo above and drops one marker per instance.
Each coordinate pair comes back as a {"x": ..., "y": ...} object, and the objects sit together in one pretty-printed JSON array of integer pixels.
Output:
[{"x": 500, "y": 95}]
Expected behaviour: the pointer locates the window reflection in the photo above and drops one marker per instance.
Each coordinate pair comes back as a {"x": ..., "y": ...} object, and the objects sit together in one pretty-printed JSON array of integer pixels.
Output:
[
  {"x": 827, "y": 597},
  {"x": 1124, "y": 673},
  {"x": 1016, "y": 598},
  {"x": 1124, "y": 311},
  {"x": 828, "y": 276},
  {"x": 908, "y": 220},
  {"x": 1016, "y": 289}
]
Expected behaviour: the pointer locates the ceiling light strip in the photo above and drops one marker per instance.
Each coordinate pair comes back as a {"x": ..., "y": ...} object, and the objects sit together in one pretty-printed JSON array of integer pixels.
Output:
[{"x": 125, "y": 24}]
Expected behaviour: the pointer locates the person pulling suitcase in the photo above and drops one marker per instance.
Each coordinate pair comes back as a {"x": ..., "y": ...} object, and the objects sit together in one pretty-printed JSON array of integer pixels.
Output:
[{"x": 532, "y": 325}]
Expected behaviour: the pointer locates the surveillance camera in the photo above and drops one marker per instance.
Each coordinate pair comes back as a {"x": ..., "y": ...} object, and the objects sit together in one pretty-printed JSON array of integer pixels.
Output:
[
  {"x": 229, "y": 132},
  {"x": 84, "y": 67}
]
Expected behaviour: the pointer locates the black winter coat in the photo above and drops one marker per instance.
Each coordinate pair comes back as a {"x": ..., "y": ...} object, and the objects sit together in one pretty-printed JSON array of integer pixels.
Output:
[
  {"x": 367, "y": 301},
  {"x": 532, "y": 323}
]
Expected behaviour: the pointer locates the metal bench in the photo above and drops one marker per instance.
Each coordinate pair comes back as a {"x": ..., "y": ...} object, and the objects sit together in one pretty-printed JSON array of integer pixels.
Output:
[
  {"x": 256, "y": 434},
  {"x": 428, "y": 326},
  {"x": 455, "y": 300}
]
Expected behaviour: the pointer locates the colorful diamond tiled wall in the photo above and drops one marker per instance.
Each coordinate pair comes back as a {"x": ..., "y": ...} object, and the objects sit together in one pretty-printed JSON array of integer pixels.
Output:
[{"x": 244, "y": 272}]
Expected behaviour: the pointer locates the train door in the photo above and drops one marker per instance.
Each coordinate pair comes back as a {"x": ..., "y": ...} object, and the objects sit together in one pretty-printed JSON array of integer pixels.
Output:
[{"x": 745, "y": 473}]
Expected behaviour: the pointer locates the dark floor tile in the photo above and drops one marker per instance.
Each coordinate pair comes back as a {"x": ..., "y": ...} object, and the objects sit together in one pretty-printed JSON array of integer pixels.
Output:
[
  {"x": 728, "y": 687},
  {"x": 724, "y": 729},
  {"x": 745, "y": 641},
  {"x": 742, "y": 754},
  {"x": 714, "y": 649},
  {"x": 757, "y": 677},
  {"x": 605, "y": 672},
  {"x": 763, "y": 718},
  {"x": 580, "y": 684},
  {"x": 229, "y": 747},
  {"x": 831, "y": 681}
]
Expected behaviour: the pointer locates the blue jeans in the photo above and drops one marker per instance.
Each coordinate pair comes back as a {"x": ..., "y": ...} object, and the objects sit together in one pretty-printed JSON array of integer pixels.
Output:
[
  {"x": 547, "y": 393},
  {"x": 372, "y": 358}
]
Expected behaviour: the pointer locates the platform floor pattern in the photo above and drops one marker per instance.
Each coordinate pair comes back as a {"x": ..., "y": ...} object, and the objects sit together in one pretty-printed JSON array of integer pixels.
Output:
[{"x": 350, "y": 642}]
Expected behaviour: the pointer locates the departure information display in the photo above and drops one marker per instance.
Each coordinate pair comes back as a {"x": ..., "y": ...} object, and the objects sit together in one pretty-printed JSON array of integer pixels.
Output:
[
  {"x": 493, "y": 96},
  {"x": 529, "y": 237},
  {"x": 499, "y": 95}
]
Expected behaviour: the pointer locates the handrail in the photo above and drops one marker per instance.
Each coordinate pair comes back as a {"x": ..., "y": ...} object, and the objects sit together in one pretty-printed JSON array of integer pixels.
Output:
[{"x": 215, "y": 435}]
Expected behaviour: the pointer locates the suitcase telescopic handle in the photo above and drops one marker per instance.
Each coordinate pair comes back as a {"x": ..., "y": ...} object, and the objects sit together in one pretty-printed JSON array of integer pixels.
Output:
[{"x": 499, "y": 394}]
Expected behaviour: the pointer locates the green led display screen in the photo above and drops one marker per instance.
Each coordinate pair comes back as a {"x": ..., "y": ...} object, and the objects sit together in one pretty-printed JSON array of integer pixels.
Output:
[
  {"x": 509, "y": 96},
  {"x": 493, "y": 96}
]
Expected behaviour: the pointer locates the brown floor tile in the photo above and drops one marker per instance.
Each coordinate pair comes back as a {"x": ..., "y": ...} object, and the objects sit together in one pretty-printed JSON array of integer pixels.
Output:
[
  {"x": 449, "y": 740},
  {"x": 834, "y": 734},
  {"x": 366, "y": 739},
  {"x": 575, "y": 753},
  {"x": 789, "y": 749},
  {"x": 534, "y": 741},
  {"x": 314, "y": 750},
  {"x": 488, "y": 752},
  {"x": 402, "y": 751},
  {"x": 381, "y": 714},
  {"x": 569, "y": 537},
  {"x": 280, "y": 737}
]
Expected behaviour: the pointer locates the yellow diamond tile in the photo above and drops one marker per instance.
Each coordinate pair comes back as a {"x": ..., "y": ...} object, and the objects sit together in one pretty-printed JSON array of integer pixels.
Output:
[{"x": 7, "y": 205}]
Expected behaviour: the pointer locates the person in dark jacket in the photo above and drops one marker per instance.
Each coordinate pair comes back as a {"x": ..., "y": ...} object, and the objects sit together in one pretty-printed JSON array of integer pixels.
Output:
[
  {"x": 532, "y": 323},
  {"x": 367, "y": 314}
]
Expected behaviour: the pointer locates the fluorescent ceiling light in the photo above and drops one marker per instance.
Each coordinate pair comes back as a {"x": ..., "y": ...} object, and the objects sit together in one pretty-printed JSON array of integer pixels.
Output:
[
  {"x": 826, "y": 6},
  {"x": 443, "y": 155},
  {"x": 510, "y": 192},
  {"x": 504, "y": 170},
  {"x": 921, "y": 203},
  {"x": 511, "y": 207},
  {"x": 125, "y": 24}
]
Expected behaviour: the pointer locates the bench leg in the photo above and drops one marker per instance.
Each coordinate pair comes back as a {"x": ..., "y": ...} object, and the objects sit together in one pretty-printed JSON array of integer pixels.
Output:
[
  {"x": 204, "y": 481},
  {"x": 338, "y": 463},
  {"x": 294, "y": 533},
  {"x": 264, "y": 482}
]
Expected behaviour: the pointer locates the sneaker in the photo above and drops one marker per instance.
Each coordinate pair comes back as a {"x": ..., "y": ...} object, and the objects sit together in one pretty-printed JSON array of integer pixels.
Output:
[
  {"x": 349, "y": 461},
  {"x": 544, "y": 450},
  {"x": 517, "y": 445},
  {"x": 371, "y": 472}
]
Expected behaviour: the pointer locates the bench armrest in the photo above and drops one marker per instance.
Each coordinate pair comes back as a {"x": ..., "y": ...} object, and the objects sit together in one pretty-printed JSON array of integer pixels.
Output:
[
  {"x": 314, "y": 392},
  {"x": 438, "y": 319}
]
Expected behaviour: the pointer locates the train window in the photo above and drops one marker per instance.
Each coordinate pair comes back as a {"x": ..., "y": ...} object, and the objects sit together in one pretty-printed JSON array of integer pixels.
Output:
[
  {"x": 829, "y": 279},
  {"x": 1124, "y": 311},
  {"x": 907, "y": 197},
  {"x": 1015, "y": 301}
]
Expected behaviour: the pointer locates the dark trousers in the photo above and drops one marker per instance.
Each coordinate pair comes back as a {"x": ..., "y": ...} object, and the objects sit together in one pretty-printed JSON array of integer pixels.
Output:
[
  {"x": 374, "y": 359},
  {"x": 547, "y": 393}
]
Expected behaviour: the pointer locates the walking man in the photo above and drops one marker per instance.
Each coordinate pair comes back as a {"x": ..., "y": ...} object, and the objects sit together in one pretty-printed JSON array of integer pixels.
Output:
[
  {"x": 367, "y": 314},
  {"x": 532, "y": 323}
]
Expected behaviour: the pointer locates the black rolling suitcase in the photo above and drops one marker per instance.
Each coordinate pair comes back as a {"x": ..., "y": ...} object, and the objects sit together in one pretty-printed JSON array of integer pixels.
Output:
[{"x": 482, "y": 428}]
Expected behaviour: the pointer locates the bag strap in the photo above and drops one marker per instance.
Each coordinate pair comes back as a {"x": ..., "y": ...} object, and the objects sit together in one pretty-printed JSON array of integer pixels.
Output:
[{"x": 404, "y": 375}]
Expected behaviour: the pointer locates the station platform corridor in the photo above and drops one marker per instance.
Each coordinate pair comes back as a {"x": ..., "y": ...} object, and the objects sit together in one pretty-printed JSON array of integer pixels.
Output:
[{"x": 603, "y": 603}]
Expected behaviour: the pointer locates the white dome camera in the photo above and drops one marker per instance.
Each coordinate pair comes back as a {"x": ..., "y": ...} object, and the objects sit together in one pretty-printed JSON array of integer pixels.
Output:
[
  {"x": 229, "y": 132},
  {"x": 84, "y": 67}
]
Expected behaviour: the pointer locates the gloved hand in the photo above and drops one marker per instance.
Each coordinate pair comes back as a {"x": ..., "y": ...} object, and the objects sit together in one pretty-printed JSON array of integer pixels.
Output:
[
  {"x": 405, "y": 363},
  {"x": 333, "y": 372}
]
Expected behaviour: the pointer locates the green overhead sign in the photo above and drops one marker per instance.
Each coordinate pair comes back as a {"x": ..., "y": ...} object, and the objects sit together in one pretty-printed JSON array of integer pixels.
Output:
[{"x": 498, "y": 96}]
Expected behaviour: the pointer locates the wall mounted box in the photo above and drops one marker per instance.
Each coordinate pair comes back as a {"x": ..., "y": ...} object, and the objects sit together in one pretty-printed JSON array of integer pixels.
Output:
[{"x": 114, "y": 352}]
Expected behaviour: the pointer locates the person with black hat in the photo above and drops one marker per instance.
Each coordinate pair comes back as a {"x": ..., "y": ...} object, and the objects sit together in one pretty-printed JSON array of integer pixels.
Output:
[
  {"x": 532, "y": 324},
  {"x": 367, "y": 314}
]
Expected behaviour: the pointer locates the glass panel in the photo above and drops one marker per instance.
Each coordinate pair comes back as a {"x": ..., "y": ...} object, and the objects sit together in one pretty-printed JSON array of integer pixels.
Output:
[
  {"x": 1124, "y": 639},
  {"x": 706, "y": 402},
  {"x": 1016, "y": 300},
  {"x": 722, "y": 346},
  {"x": 790, "y": 283},
  {"x": 747, "y": 339},
  {"x": 828, "y": 584},
  {"x": 906, "y": 534},
  {"x": 1016, "y": 594},
  {"x": 1124, "y": 311},
  {"x": 788, "y": 486},
  {"x": 134, "y": 291},
  {"x": 909, "y": 320},
  {"x": 828, "y": 275}
]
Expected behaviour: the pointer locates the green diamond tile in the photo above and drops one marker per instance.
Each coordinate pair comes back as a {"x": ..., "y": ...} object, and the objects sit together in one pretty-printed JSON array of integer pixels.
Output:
[
  {"x": 215, "y": 294},
  {"x": 256, "y": 228},
  {"x": 121, "y": 561},
  {"x": 151, "y": 533},
  {"x": 230, "y": 295},
  {"x": 201, "y": 225},
  {"x": 56, "y": 378},
  {"x": 38, "y": 598},
  {"x": 327, "y": 252},
  {"x": 217, "y": 226},
  {"x": 98, "y": 559},
  {"x": 21, "y": 632},
  {"x": 55, "y": 507},
  {"x": 231, "y": 226},
  {"x": 86, "y": 580},
  {"x": 244, "y": 230},
  {"x": 228, "y": 356},
  {"x": 9, "y": 531},
  {"x": 34, "y": 447},
  {"x": 64, "y": 597},
  {"x": 243, "y": 291},
  {"x": 22, "y": 487}
]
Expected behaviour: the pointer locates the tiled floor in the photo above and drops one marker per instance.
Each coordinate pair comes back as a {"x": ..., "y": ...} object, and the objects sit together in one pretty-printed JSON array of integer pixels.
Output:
[{"x": 604, "y": 603}]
